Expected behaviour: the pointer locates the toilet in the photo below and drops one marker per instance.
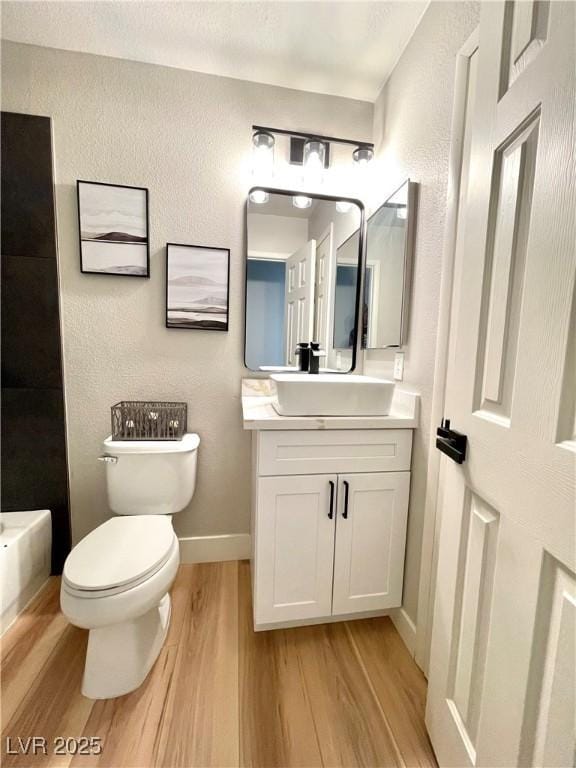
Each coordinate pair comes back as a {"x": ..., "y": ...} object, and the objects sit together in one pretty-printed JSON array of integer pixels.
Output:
[{"x": 115, "y": 581}]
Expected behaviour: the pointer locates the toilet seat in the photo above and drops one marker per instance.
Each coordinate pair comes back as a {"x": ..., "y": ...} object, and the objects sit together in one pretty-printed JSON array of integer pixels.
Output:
[
  {"x": 117, "y": 605},
  {"x": 118, "y": 555}
]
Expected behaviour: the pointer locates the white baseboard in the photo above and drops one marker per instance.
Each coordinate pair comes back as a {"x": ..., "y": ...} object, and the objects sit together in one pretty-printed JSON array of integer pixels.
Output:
[
  {"x": 214, "y": 549},
  {"x": 405, "y": 627}
]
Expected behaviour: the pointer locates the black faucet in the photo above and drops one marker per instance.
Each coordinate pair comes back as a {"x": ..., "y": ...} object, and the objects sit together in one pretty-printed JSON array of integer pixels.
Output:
[
  {"x": 303, "y": 352},
  {"x": 315, "y": 355}
]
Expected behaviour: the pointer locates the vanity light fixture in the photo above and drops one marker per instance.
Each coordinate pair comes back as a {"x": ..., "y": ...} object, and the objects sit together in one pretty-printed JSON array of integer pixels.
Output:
[
  {"x": 301, "y": 201},
  {"x": 259, "y": 196},
  {"x": 363, "y": 154},
  {"x": 308, "y": 149},
  {"x": 314, "y": 160},
  {"x": 342, "y": 206},
  {"x": 263, "y": 152}
]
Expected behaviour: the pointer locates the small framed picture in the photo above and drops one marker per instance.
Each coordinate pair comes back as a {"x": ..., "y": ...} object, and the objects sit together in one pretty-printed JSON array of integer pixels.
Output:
[
  {"x": 113, "y": 229},
  {"x": 197, "y": 290}
]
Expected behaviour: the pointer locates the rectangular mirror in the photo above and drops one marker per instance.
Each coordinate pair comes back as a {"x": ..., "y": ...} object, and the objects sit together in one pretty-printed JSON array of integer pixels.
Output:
[
  {"x": 302, "y": 279},
  {"x": 389, "y": 253}
]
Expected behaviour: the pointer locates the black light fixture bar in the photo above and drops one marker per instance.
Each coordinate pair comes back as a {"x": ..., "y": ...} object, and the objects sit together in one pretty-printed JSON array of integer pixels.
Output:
[{"x": 301, "y": 135}]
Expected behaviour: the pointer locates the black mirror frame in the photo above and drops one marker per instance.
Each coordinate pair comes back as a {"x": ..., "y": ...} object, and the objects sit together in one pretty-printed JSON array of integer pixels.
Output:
[{"x": 361, "y": 266}]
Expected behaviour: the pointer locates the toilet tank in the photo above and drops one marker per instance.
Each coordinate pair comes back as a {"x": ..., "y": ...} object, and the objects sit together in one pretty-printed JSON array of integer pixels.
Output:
[{"x": 148, "y": 477}]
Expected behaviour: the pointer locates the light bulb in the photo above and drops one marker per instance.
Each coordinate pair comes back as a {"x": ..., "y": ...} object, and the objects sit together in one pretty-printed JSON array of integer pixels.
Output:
[
  {"x": 259, "y": 196},
  {"x": 262, "y": 153},
  {"x": 314, "y": 159},
  {"x": 301, "y": 201},
  {"x": 362, "y": 155},
  {"x": 342, "y": 206}
]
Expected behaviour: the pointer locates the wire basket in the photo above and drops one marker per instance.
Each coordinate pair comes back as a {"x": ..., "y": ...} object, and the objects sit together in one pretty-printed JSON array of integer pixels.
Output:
[{"x": 148, "y": 420}]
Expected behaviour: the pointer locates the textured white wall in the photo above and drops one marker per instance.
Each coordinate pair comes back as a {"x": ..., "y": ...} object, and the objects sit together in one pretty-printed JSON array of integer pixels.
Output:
[
  {"x": 412, "y": 135},
  {"x": 187, "y": 137}
]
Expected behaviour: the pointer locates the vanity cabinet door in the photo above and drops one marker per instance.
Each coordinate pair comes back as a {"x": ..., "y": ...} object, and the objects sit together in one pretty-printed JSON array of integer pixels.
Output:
[
  {"x": 294, "y": 547},
  {"x": 370, "y": 541}
]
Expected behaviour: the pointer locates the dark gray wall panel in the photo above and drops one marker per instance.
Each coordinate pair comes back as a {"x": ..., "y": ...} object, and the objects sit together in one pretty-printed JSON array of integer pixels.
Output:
[
  {"x": 27, "y": 205},
  {"x": 34, "y": 464},
  {"x": 34, "y": 458},
  {"x": 30, "y": 323}
]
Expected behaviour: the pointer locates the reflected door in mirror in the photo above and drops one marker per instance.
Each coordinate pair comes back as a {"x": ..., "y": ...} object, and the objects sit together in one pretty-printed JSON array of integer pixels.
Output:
[
  {"x": 345, "y": 311},
  {"x": 299, "y": 299}
]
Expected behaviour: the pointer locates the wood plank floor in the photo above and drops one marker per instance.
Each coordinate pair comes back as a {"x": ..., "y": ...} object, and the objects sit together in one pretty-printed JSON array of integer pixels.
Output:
[{"x": 345, "y": 694}]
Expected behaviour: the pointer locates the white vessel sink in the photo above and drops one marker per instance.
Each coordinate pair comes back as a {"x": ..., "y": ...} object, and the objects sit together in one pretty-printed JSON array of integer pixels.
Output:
[{"x": 327, "y": 394}]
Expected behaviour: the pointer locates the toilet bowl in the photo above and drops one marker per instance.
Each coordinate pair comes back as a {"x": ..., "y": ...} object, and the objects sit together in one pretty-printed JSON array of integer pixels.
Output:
[{"x": 115, "y": 581}]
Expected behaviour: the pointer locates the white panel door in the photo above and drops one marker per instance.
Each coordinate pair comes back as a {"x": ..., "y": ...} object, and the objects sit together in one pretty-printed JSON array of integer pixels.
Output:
[
  {"x": 299, "y": 299},
  {"x": 295, "y": 523},
  {"x": 502, "y": 667},
  {"x": 324, "y": 290},
  {"x": 370, "y": 541}
]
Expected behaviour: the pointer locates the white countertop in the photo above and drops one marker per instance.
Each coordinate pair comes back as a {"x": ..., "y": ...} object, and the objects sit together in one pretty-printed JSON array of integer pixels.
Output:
[{"x": 258, "y": 412}]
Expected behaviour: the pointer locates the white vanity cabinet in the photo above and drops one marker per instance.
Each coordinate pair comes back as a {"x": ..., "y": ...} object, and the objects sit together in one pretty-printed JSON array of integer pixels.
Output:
[
  {"x": 329, "y": 523},
  {"x": 370, "y": 541},
  {"x": 294, "y": 552}
]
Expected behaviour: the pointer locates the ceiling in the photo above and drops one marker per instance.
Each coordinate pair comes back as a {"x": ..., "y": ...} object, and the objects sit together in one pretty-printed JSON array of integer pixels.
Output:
[{"x": 340, "y": 48}]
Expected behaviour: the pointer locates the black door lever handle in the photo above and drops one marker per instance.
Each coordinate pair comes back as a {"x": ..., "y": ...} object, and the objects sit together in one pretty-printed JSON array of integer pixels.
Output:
[{"x": 450, "y": 442}]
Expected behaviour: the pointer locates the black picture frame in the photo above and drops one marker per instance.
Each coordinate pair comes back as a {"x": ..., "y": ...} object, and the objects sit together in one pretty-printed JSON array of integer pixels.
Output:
[
  {"x": 125, "y": 270},
  {"x": 210, "y": 323}
]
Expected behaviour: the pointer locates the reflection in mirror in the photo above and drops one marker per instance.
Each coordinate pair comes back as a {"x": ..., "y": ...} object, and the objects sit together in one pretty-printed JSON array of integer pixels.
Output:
[
  {"x": 302, "y": 272},
  {"x": 345, "y": 294},
  {"x": 389, "y": 243}
]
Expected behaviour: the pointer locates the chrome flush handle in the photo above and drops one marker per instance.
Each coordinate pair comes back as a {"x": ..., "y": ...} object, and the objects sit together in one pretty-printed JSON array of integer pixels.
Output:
[{"x": 108, "y": 459}]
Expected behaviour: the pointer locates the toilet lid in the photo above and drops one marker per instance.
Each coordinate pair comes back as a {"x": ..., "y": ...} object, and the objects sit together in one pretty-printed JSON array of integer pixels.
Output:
[{"x": 119, "y": 552}]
